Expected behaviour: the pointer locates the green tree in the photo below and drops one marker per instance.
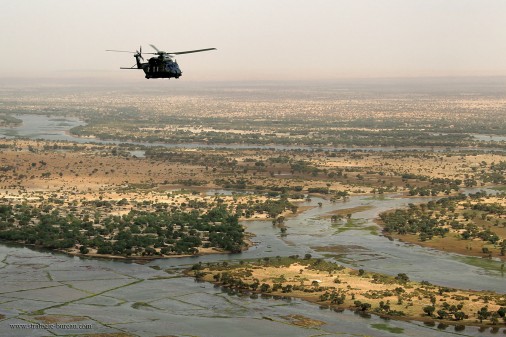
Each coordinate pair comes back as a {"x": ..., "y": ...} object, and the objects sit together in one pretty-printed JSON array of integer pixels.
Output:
[
  {"x": 483, "y": 313},
  {"x": 429, "y": 310}
]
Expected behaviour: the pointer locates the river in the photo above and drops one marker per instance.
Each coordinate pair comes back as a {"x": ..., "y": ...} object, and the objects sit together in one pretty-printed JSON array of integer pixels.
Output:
[
  {"x": 57, "y": 129},
  {"x": 147, "y": 300},
  {"x": 154, "y": 298}
]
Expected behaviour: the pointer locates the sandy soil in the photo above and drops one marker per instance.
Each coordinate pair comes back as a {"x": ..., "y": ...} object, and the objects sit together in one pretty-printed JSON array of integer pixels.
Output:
[
  {"x": 39, "y": 167},
  {"x": 33, "y": 171},
  {"x": 372, "y": 288}
]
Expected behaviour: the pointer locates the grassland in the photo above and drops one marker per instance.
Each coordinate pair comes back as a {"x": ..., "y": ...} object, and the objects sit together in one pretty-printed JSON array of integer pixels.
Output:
[{"x": 102, "y": 189}]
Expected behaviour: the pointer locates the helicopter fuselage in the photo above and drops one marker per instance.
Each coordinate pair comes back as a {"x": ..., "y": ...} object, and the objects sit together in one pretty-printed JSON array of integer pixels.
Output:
[{"x": 160, "y": 67}]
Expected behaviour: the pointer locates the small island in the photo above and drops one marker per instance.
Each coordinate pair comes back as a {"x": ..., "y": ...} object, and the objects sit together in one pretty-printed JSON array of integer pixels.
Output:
[
  {"x": 8, "y": 120},
  {"x": 335, "y": 286},
  {"x": 472, "y": 224}
]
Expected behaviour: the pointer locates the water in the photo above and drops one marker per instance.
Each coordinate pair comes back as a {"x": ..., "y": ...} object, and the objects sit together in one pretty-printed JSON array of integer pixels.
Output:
[
  {"x": 57, "y": 129},
  {"x": 143, "y": 299},
  {"x": 138, "y": 153},
  {"x": 42, "y": 127},
  {"x": 115, "y": 297},
  {"x": 359, "y": 246},
  {"x": 489, "y": 138}
]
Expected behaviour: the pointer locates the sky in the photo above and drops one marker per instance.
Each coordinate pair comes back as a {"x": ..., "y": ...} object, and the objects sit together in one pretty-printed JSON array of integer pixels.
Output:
[{"x": 255, "y": 39}]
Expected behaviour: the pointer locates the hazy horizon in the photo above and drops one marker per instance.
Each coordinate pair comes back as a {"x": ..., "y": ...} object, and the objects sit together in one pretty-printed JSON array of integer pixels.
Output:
[{"x": 114, "y": 81}]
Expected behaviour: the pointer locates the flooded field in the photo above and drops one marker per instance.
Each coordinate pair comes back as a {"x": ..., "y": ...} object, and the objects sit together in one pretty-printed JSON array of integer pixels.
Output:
[
  {"x": 57, "y": 129},
  {"x": 151, "y": 299},
  {"x": 154, "y": 298},
  {"x": 42, "y": 127}
]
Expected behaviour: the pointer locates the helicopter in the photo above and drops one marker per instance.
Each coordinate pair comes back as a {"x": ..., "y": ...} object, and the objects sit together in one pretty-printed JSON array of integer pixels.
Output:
[{"x": 161, "y": 66}]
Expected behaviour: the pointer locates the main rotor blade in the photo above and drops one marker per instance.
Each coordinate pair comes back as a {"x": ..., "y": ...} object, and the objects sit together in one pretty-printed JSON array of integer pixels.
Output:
[
  {"x": 121, "y": 51},
  {"x": 154, "y": 48},
  {"x": 191, "y": 51}
]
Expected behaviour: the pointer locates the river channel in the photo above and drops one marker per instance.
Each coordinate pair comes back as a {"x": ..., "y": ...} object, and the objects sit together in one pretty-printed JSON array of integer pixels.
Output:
[
  {"x": 154, "y": 298},
  {"x": 57, "y": 129}
]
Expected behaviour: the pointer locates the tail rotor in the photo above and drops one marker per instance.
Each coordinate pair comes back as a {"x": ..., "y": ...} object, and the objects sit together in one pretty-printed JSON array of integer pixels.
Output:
[{"x": 138, "y": 53}]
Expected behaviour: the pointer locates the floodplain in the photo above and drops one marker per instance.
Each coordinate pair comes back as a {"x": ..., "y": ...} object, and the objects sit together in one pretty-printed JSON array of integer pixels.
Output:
[{"x": 388, "y": 178}]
